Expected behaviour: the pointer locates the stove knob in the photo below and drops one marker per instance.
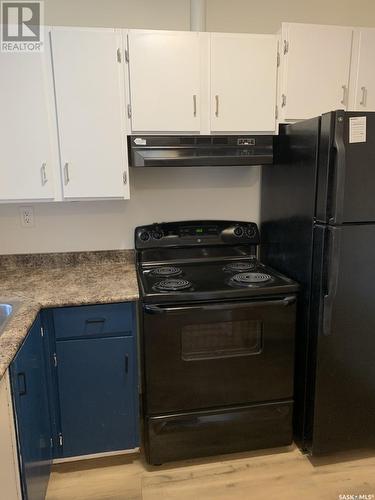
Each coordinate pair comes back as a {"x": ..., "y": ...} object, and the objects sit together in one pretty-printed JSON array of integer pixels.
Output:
[
  {"x": 157, "y": 235},
  {"x": 145, "y": 236},
  {"x": 238, "y": 231},
  {"x": 250, "y": 232}
]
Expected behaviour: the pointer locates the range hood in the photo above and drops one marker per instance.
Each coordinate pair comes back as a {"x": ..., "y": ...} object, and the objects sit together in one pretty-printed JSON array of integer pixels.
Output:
[{"x": 199, "y": 150}]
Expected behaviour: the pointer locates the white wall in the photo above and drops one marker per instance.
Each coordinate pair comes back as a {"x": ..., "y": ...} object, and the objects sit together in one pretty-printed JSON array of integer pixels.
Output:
[
  {"x": 154, "y": 14},
  {"x": 156, "y": 195},
  {"x": 164, "y": 194},
  {"x": 265, "y": 16},
  {"x": 253, "y": 16}
]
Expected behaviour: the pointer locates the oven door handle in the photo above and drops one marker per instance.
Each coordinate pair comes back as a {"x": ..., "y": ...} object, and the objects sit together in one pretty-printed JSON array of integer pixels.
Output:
[{"x": 286, "y": 301}]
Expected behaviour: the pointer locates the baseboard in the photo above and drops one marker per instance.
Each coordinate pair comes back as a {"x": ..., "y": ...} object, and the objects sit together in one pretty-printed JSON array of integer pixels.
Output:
[{"x": 95, "y": 455}]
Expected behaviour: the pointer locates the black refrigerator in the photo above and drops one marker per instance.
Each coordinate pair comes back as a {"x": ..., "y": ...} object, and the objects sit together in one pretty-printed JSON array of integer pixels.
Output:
[{"x": 318, "y": 227}]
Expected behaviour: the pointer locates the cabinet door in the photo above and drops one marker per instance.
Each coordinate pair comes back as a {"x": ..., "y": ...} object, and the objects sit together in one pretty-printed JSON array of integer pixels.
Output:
[
  {"x": 164, "y": 81},
  {"x": 365, "y": 84},
  {"x": 316, "y": 61},
  {"x": 243, "y": 82},
  {"x": 98, "y": 395},
  {"x": 90, "y": 107},
  {"x": 28, "y": 378},
  {"x": 26, "y": 98},
  {"x": 9, "y": 476}
]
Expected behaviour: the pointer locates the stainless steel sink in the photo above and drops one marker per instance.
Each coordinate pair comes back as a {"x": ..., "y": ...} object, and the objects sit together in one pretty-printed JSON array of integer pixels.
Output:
[{"x": 6, "y": 311}]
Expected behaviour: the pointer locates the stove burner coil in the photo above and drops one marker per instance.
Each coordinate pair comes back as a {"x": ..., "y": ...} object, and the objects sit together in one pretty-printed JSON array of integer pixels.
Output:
[
  {"x": 172, "y": 285},
  {"x": 250, "y": 279},
  {"x": 166, "y": 271},
  {"x": 241, "y": 266}
]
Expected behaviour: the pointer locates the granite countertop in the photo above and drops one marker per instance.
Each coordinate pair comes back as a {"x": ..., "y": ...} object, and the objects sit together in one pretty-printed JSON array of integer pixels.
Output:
[{"x": 37, "y": 281}]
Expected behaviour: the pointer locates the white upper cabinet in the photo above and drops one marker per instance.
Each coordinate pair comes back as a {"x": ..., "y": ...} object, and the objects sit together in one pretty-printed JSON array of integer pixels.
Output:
[
  {"x": 90, "y": 107},
  {"x": 315, "y": 69},
  {"x": 164, "y": 72},
  {"x": 243, "y": 82},
  {"x": 200, "y": 82},
  {"x": 363, "y": 80},
  {"x": 28, "y": 159}
]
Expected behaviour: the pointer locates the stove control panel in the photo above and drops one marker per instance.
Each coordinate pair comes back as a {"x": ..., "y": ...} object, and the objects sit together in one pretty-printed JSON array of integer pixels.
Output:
[{"x": 196, "y": 233}]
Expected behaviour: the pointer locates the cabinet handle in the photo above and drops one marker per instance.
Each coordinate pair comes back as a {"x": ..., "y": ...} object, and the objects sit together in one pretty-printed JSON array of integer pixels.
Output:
[
  {"x": 66, "y": 174},
  {"x": 43, "y": 174},
  {"x": 21, "y": 384},
  {"x": 94, "y": 320},
  {"x": 195, "y": 105},
  {"x": 364, "y": 96},
  {"x": 344, "y": 95},
  {"x": 126, "y": 364},
  {"x": 217, "y": 105}
]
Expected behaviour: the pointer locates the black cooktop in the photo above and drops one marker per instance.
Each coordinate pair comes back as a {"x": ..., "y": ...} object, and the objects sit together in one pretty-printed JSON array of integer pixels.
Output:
[
  {"x": 218, "y": 280},
  {"x": 203, "y": 260}
]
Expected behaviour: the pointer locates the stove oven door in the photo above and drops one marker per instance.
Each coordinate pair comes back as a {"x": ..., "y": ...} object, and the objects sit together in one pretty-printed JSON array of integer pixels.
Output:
[{"x": 218, "y": 354}]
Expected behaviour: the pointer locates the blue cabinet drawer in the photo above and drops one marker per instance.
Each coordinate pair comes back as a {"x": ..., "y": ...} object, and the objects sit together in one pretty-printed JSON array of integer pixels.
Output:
[{"x": 94, "y": 321}]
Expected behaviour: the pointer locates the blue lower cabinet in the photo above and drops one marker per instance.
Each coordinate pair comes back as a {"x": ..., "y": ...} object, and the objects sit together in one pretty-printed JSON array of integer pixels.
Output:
[
  {"x": 96, "y": 378},
  {"x": 98, "y": 396},
  {"x": 75, "y": 388},
  {"x": 33, "y": 425}
]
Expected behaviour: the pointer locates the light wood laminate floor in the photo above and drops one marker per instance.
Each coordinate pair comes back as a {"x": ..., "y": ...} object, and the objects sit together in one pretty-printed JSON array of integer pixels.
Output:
[{"x": 282, "y": 474}]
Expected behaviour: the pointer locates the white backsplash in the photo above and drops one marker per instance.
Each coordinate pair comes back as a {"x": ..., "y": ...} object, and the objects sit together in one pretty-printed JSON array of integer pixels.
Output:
[{"x": 157, "y": 194}]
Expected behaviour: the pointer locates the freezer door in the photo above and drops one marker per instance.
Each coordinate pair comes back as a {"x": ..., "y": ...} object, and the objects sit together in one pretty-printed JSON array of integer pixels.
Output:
[
  {"x": 344, "y": 313},
  {"x": 346, "y": 174}
]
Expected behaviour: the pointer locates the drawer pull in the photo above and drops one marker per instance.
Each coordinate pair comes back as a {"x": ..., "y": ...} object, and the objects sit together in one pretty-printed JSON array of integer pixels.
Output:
[
  {"x": 95, "y": 320},
  {"x": 22, "y": 390},
  {"x": 94, "y": 326}
]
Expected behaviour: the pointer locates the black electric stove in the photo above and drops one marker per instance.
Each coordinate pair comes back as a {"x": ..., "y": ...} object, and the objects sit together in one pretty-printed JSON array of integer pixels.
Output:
[
  {"x": 203, "y": 261},
  {"x": 217, "y": 329}
]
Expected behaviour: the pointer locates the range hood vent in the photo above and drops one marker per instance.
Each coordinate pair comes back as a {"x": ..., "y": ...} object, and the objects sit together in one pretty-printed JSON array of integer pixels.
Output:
[{"x": 200, "y": 150}]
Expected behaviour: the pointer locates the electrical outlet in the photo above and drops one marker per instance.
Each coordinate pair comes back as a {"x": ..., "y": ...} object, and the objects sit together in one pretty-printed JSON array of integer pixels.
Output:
[{"x": 27, "y": 216}]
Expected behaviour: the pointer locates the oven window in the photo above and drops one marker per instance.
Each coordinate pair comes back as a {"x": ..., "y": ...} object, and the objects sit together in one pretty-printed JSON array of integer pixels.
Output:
[{"x": 221, "y": 340}]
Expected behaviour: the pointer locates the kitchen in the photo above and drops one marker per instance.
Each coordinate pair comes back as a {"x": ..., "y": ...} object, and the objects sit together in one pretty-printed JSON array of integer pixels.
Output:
[{"x": 84, "y": 198}]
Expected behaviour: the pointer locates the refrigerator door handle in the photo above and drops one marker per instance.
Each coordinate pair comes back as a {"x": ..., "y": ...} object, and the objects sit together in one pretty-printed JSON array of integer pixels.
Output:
[
  {"x": 332, "y": 274},
  {"x": 340, "y": 156}
]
